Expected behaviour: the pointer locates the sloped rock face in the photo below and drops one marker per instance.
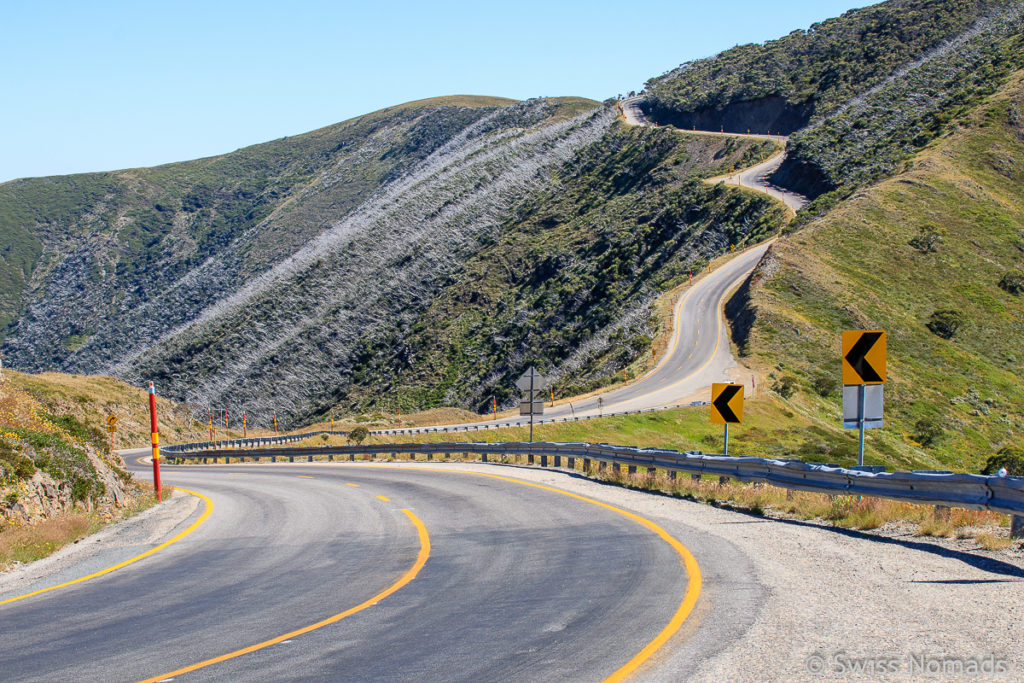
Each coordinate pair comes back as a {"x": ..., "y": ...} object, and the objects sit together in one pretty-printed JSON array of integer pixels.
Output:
[{"x": 42, "y": 496}]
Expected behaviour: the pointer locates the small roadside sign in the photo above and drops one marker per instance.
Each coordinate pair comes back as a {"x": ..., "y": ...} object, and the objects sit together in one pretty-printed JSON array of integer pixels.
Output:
[
  {"x": 726, "y": 403},
  {"x": 111, "y": 429},
  {"x": 531, "y": 381},
  {"x": 864, "y": 357},
  {"x": 873, "y": 406},
  {"x": 532, "y": 384},
  {"x": 111, "y": 420}
]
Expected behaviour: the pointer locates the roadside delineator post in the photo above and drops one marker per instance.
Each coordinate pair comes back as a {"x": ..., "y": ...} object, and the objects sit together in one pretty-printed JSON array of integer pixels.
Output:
[
  {"x": 1017, "y": 526},
  {"x": 209, "y": 418},
  {"x": 245, "y": 431},
  {"x": 275, "y": 423},
  {"x": 156, "y": 441}
]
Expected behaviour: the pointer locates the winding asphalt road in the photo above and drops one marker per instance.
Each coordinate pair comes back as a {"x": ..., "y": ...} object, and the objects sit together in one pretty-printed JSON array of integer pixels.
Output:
[
  {"x": 754, "y": 177},
  {"x": 520, "y": 582},
  {"x": 698, "y": 353}
]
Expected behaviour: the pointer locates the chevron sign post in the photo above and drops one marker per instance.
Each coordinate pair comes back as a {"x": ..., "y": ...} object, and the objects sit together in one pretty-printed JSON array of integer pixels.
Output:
[
  {"x": 864, "y": 361},
  {"x": 726, "y": 408}
]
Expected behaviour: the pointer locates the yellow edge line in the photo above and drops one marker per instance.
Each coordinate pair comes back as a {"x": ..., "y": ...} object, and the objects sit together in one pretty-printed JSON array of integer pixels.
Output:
[
  {"x": 421, "y": 559},
  {"x": 687, "y": 560},
  {"x": 192, "y": 527}
]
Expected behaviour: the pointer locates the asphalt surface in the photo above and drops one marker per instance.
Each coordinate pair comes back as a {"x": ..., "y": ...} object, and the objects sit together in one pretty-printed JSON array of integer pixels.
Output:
[
  {"x": 755, "y": 177},
  {"x": 698, "y": 353},
  {"x": 521, "y": 583}
]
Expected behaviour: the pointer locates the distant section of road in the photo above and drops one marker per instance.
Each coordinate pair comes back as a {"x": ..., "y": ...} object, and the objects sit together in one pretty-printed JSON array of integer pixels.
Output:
[
  {"x": 754, "y": 178},
  {"x": 698, "y": 352}
]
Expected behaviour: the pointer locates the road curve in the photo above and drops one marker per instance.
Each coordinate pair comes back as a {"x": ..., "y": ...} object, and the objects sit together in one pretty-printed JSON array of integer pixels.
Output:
[
  {"x": 698, "y": 353},
  {"x": 754, "y": 177},
  {"x": 521, "y": 583}
]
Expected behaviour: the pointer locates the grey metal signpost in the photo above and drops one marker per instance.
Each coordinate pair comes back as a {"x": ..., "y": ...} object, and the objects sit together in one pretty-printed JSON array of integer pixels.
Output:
[
  {"x": 532, "y": 384},
  {"x": 863, "y": 361}
]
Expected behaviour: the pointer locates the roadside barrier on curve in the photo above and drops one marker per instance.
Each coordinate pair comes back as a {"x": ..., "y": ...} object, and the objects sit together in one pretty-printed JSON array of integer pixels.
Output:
[
  {"x": 973, "y": 491},
  {"x": 263, "y": 441}
]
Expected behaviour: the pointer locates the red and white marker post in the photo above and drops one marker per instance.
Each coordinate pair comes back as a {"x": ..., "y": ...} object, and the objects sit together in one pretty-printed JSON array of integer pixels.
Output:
[
  {"x": 245, "y": 431},
  {"x": 156, "y": 441},
  {"x": 275, "y": 423}
]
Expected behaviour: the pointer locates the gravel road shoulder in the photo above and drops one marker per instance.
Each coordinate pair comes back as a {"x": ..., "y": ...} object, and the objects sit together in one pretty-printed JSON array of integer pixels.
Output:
[{"x": 106, "y": 547}]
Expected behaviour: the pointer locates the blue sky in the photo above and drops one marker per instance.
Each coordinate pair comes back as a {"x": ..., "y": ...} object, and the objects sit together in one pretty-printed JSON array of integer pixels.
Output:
[{"x": 106, "y": 85}]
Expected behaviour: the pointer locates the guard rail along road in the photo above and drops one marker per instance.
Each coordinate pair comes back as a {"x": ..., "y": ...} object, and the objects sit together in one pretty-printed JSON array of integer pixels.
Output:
[{"x": 973, "y": 491}]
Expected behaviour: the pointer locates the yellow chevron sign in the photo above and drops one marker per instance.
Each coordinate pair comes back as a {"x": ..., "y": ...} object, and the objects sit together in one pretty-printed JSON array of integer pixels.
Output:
[
  {"x": 726, "y": 404},
  {"x": 864, "y": 356}
]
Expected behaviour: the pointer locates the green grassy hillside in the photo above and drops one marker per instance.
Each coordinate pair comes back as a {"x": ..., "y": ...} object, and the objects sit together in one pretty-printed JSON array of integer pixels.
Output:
[{"x": 946, "y": 235}]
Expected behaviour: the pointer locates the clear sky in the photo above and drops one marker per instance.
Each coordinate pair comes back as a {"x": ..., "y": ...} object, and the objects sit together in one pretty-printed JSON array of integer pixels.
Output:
[{"x": 92, "y": 86}]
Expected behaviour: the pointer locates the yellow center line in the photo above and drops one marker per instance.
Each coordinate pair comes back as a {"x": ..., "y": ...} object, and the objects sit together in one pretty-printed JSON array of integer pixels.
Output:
[
  {"x": 192, "y": 527},
  {"x": 687, "y": 560},
  {"x": 421, "y": 559},
  {"x": 303, "y": 476},
  {"x": 385, "y": 499},
  {"x": 348, "y": 483}
]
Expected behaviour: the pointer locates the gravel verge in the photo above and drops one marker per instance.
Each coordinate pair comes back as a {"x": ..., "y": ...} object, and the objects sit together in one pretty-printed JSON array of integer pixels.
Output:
[{"x": 104, "y": 548}]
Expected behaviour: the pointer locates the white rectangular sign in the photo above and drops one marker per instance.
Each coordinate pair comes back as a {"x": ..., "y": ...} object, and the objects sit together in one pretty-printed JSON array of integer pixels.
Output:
[{"x": 874, "y": 404}]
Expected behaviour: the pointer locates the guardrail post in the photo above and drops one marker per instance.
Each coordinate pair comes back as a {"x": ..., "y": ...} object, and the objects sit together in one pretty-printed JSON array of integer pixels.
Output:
[
  {"x": 394, "y": 455},
  {"x": 447, "y": 456},
  {"x": 671, "y": 475},
  {"x": 723, "y": 480},
  {"x": 543, "y": 461},
  {"x": 586, "y": 465},
  {"x": 291, "y": 458},
  {"x": 652, "y": 470},
  {"x": 1017, "y": 526},
  {"x": 309, "y": 458},
  {"x": 694, "y": 477},
  {"x": 631, "y": 469},
  {"x": 430, "y": 456},
  {"x": 529, "y": 458},
  {"x": 483, "y": 457},
  {"x": 330, "y": 457},
  {"x": 601, "y": 465},
  {"x": 571, "y": 463},
  {"x": 558, "y": 461},
  {"x": 351, "y": 457}
]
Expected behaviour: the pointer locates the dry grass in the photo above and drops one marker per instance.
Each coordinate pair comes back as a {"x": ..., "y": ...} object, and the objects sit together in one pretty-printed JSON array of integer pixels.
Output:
[
  {"x": 41, "y": 539},
  {"x": 992, "y": 542},
  {"x": 30, "y": 543}
]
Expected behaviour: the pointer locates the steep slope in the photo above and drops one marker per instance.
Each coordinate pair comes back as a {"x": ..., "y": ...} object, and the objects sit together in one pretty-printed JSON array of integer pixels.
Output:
[
  {"x": 304, "y": 273},
  {"x": 568, "y": 280},
  {"x": 858, "y": 93},
  {"x": 91, "y": 248},
  {"x": 946, "y": 235}
]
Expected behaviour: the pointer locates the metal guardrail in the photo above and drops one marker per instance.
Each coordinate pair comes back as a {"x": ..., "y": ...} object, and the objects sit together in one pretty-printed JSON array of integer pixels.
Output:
[
  {"x": 261, "y": 442},
  {"x": 973, "y": 491}
]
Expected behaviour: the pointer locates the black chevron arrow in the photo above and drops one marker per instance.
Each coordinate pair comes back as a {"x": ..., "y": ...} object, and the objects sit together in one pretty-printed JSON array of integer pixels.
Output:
[
  {"x": 722, "y": 403},
  {"x": 856, "y": 357}
]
